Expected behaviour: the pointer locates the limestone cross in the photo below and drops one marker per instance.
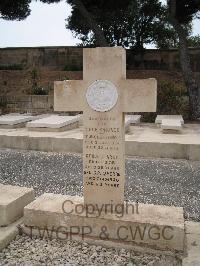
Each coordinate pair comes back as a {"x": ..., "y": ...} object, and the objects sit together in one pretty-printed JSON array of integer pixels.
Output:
[{"x": 104, "y": 95}]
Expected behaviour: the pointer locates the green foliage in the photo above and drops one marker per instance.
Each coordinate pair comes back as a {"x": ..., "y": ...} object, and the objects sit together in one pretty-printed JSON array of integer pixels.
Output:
[
  {"x": 18, "y": 9},
  {"x": 39, "y": 91},
  {"x": 168, "y": 38},
  {"x": 100, "y": 4},
  {"x": 50, "y": 1},
  {"x": 34, "y": 74},
  {"x": 186, "y": 10},
  {"x": 14, "y": 10},
  {"x": 34, "y": 78},
  {"x": 3, "y": 104},
  {"x": 72, "y": 67},
  {"x": 11, "y": 67},
  {"x": 130, "y": 25},
  {"x": 64, "y": 78},
  {"x": 172, "y": 99},
  {"x": 194, "y": 41}
]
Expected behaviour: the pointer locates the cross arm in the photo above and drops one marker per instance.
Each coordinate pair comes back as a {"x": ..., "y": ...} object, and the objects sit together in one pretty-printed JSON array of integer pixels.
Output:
[
  {"x": 69, "y": 95},
  {"x": 139, "y": 95}
]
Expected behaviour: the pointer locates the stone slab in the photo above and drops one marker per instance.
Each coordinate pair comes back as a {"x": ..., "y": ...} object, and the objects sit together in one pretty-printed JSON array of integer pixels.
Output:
[
  {"x": 150, "y": 226},
  {"x": 41, "y": 116},
  {"x": 17, "y": 120},
  {"x": 171, "y": 124},
  {"x": 193, "y": 244},
  {"x": 14, "y": 114},
  {"x": 16, "y": 126},
  {"x": 131, "y": 119},
  {"x": 13, "y": 199},
  {"x": 8, "y": 233},
  {"x": 54, "y": 121},
  {"x": 13, "y": 120},
  {"x": 194, "y": 153},
  {"x": 192, "y": 227},
  {"x": 59, "y": 129},
  {"x": 145, "y": 140},
  {"x": 159, "y": 118}
]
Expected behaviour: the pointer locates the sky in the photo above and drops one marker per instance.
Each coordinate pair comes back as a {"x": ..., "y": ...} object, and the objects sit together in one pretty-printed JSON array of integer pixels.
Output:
[{"x": 45, "y": 27}]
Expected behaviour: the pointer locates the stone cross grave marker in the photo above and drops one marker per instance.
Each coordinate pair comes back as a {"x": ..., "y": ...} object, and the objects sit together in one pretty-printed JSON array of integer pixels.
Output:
[{"x": 104, "y": 95}]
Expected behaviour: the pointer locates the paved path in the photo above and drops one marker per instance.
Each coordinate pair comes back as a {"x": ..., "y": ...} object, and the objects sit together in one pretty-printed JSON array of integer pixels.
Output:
[{"x": 158, "y": 181}]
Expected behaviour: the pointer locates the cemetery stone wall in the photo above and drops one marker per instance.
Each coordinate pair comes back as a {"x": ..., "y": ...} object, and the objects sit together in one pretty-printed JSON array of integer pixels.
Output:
[
  {"x": 71, "y": 58},
  {"x": 21, "y": 69}
]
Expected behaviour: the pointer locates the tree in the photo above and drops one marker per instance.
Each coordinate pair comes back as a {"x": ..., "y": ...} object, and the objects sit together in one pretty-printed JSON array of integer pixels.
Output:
[
  {"x": 87, "y": 16},
  {"x": 169, "y": 38},
  {"x": 78, "y": 7},
  {"x": 130, "y": 23},
  {"x": 14, "y": 10},
  {"x": 18, "y": 10},
  {"x": 193, "y": 41},
  {"x": 180, "y": 13}
]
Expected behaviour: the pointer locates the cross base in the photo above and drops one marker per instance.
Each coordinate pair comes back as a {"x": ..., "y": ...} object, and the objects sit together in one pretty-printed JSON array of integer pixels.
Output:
[{"x": 148, "y": 226}]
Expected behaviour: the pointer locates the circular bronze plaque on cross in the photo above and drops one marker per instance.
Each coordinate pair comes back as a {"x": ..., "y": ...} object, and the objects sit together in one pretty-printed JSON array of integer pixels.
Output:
[{"x": 102, "y": 95}]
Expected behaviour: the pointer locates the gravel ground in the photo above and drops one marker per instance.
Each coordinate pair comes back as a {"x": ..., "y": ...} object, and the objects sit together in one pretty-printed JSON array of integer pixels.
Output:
[
  {"x": 25, "y": 252},
  {"x": 158, "y": 181}
]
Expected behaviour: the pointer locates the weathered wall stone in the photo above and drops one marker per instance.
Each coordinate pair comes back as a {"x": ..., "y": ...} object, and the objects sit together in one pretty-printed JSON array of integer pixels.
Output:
[
  {"x": 71, "y": 58},
  {"x": 21, "y": 68},
  {"x": 16, "y": 82},
  {"x": 28, "y": 103},
  {"x": 46, "y": 58},
  {"x": 16, "y": 86}
]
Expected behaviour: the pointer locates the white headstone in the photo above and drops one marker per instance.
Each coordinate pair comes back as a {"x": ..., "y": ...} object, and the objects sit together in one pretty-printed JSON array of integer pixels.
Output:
[{"x": 104, "y": 95}]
